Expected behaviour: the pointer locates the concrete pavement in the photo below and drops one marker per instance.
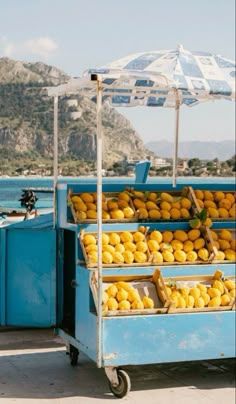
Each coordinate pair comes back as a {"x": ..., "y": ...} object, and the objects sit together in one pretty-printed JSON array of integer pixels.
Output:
[{"x": 35, "y": 369}]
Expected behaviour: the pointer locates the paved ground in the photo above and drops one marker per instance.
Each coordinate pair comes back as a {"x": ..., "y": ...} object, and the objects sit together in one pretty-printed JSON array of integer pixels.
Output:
[{"x": 35, "y": 369}]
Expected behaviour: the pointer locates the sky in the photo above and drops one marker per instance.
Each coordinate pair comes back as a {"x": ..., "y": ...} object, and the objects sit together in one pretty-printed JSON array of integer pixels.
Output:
[{"x": 75, "y": 35}]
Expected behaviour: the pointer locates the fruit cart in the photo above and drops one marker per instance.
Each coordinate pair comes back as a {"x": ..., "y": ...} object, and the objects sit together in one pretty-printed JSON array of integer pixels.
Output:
[
  {"x": 158, "y": 334},
  {"x": 153, "y": 328}
]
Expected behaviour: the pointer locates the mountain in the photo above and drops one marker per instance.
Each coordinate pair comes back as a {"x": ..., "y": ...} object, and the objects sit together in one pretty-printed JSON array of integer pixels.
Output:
[
  {"x": 195, "y": 149},
  {"x": 26, "y": 118}
]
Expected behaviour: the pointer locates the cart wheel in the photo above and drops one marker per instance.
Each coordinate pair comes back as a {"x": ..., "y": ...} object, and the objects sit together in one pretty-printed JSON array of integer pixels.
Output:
[
  {"x": 74, "y": 354},
  {"x": 124, "y": 385}
]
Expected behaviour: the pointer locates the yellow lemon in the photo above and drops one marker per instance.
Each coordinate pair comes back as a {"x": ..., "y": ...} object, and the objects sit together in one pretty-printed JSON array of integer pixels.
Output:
[
  {"x": 225, "y": 235},
  {"x": 157, "y": 257},
  {"x": 107, "y": 257},
  {"x": 230, "y": 255},
  {"x": 124, "y": 305},
  {"x": 111, "y": 290},
  {"x": 191, "y": 256},
  {"x": 233, "y": 244},
  {"x": 224, "y": 244},
  {"x": 202, "y": 288},
  {"x": 232, "y": 293},
  {"x": 208, "y": 222},
  {"x": 124, "y": 196},
  {"x": 208, "y": 196},
  {"x": 175, "y": 213},
  {"x": 166, "y": 197},
  {"x": 180, "y": 256},
  {"x": 156, "y": 235},
  {"x": 194, "y": 234},
  {"x": 120, "y": 248},
  {"x": 199, "y": 194},
  {"x": 112, "y": 303},
  {"x": 81, "y": 215},
  {"x": 133, "y": 295},
  {"x": 213, "y": 292},
  {"x": 117, "y": 214},
  {"x": 140, "y": 257},
  {"x": 185, "y": 203},
  {"x": 176, "y": 205},
  {"x": 129, "y": 246},
  {"x": 76, "y": 198},
  {"x": 142, "y": 213},
  {"x": 93, "y": 257},
  {"x": 112, "y": 204},
  {"x": 229, "y": 284},
  {"x": 195, "y": 292},
  {"x": 184, "y": 291},
  {"x": 105, "y": 238},
  {"x": 165, "y": 206},
  {"x": 230, "y": 197},
  {"x": 86, "y": 197},
  {"x": 181, "y": 303},
  {"x": 114, "y": 239},
  {"x": 154, "y": 214},
  {"x": 203, "y": 254},
  {"x": 223, "y": 213},
  {"x": 199, "y": 243},
  {"x": 166, "y": 246},
  {"x": 109, "y": 248},
  {"x": 122, "y": 294},
  {"x": 199, "y": 302},
  {"x": 152, "y": 196},
  {"x": 105, "y": 215},
  {"x": 168, "y": 256},
  {"x": 91, "y": 247},
  {"x": 225, "y": 203},
  {"x": 128, "y": 257},
  {"x": 167, "y": 236},
  {"x": 91, "y": 206},
  {"x": 232, "y": 211},
  {"x": 214, "y": 235},
  {"x": 123, "y": 285},
  {"x": 181, "y": 235},
  {"x": 206, "y": 298},
  {"x": 176, "y": 244},
  {"x": 213, "y": 212},
  {"x": 209, "y": 204},
  {"x": 89, "y": 239},
  {"x": 219, "y": 285},
  {"x": 188, "y": 246},
  {"x": 80, "y": 206},
  {"x": 91, "y": 214},
  {"x": 138, "y": 236},
  {"x": 104, "y": 206},
  {"x": 165, "y": 214},
  {"x": 122, "y": 204},
  {"x": 225, "y": 300},
  {"x": 118, "y": 257},
  {"x": 151, "y": 205},
  {"x": 147, "y": 302},
  {"x": 139, "y": 204},
  {"x": 126, "y": 236},
  {"x": 128, "y": 212},
  {"x": 153, "y": 245},
  {"x": 184, "y": 213},
  {"x": 189, "y": 302},
  {"x": 141, "y": 246},
  {"x": 215, "y": 302},
  {"x": 105, "y": 297},
  {"x": 137, "y": 305},
  {"x": 220, "y": 256},
  {"x": 218, "y": 195}
]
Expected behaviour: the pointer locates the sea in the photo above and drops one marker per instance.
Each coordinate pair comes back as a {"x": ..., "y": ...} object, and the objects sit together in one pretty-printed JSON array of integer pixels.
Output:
[{"x": 11, "y": 188}]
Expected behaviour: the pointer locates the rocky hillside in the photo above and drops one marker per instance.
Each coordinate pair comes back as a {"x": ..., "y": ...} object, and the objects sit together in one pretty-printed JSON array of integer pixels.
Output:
[{"x": 26, "y": 118}]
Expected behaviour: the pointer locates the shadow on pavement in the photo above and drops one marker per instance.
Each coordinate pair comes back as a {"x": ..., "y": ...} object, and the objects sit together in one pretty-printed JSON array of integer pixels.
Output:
[{"x": 49, "y": 375}]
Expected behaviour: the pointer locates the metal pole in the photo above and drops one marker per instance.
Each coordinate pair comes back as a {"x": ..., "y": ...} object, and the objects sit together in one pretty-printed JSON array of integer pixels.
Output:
[
  {"x": 99, "y": 220},
  {"x": 175, "y": 159},
  {"x": 55, "y": 160}
]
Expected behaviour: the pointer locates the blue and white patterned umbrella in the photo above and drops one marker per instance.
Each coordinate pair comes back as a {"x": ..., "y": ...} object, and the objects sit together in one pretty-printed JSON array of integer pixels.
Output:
[
  {"x": 167, "y": 78},
  {"x": 158, "y": 78}
]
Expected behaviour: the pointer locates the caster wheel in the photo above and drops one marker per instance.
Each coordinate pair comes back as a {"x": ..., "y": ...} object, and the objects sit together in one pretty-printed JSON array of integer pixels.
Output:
[
  {"x": 74, "y": 354},
  {"x": 124, "y": 385}
]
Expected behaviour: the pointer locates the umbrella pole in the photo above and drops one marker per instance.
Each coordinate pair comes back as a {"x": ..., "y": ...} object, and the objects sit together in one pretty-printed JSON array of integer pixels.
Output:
[
  {"x": 175, "y": 159},
  {"x": 99, "y": 220},
  {"x": 55, "y": 159}
]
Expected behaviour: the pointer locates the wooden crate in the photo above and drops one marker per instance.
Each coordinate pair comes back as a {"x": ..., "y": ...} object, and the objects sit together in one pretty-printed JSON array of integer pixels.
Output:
[
  {"x": 205, "y": 233},
  {"x": 177, "y": 195},
  {"x": 152, "y": 286},
  {"x": 190, "y": 281},
  {"x": 89, "y": 264},
  {"x": 198, "y": 209},
  {"x": 217, "y": 231},
  {"x": 108, "y": 195}
]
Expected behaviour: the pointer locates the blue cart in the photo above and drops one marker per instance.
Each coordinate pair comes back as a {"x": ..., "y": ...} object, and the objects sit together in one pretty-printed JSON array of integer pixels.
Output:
[{"x": 114, "y": 342}]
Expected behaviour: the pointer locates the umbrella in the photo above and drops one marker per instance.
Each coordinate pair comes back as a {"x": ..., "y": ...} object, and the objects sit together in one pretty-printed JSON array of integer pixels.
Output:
[{"x": 154, "y": 79}]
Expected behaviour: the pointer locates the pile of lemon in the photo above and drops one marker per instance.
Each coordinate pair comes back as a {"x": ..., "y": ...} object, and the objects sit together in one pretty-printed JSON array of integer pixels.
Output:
[
  {"x": 118, "y": 247},
  {"x": 219, "y": 204},
  {"x": 123, "y": 296},
  {"x": 177, "y": 246},
  {"x": 224, "y": 241},
  {"x": 219, "y": 293},
  {"x": 161, "y": 206},
  {"x": 85, "y": 206}
]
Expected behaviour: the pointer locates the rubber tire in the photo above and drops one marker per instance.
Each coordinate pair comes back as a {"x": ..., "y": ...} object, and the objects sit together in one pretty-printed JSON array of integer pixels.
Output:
[
  {"x": 124, "y": 384},
  {"x": 74, "y": 354}
]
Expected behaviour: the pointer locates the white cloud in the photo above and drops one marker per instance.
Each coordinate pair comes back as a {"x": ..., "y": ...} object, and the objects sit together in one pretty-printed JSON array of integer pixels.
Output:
[{"x": 44, "y": 47}]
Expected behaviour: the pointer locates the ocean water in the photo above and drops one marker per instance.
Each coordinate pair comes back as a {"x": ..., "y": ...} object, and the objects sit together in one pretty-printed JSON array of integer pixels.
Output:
[{"x": 11, "y": 191}]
